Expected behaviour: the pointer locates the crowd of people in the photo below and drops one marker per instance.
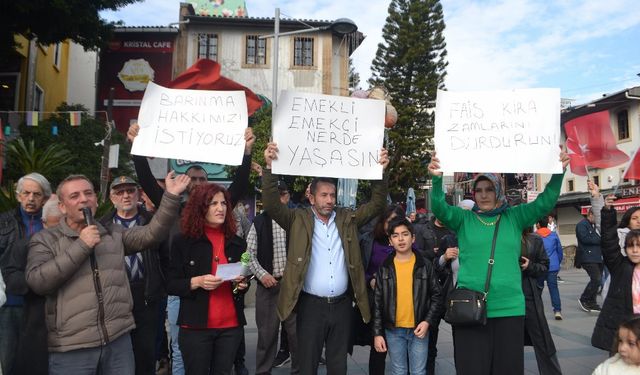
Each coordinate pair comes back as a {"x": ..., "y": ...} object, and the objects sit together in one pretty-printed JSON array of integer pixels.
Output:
[{"x": 91, "y": 296}]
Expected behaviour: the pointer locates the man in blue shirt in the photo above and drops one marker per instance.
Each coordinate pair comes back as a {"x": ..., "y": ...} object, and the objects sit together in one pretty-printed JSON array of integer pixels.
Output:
[{"x": 324, "y": 271}]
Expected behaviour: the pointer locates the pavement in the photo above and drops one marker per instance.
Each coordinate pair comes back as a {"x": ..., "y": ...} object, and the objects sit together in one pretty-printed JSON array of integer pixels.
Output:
[{"x": 572, "y": 336}]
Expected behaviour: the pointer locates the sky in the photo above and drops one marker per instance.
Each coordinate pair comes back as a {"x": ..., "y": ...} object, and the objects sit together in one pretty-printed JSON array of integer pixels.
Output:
[{"x": 587, "y": 48}]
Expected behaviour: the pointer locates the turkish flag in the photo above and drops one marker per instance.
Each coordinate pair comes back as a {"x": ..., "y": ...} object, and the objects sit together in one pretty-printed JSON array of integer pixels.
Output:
[
  {"x": 591, "y": 138},
  {"x": 205, "y": 75},
  {"x": 633, "y": 170},
  {"x": 577, "y": 163}
]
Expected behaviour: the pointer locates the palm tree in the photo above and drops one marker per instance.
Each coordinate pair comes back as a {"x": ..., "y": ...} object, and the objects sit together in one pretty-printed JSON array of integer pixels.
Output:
[{"x": 30, "y": 159}]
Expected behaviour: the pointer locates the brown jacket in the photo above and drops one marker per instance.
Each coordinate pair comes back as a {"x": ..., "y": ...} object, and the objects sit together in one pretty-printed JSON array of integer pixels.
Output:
[
  {"x": 88, "y": 300},
  {"x": 299, "y": 226}
]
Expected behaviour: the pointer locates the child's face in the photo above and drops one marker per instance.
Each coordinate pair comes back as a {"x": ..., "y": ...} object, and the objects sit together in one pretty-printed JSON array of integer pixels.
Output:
[
  {"x": 401, "y": 239},
  {"x": 633, "y": 251},
  {"x": 628, "y": 347}
]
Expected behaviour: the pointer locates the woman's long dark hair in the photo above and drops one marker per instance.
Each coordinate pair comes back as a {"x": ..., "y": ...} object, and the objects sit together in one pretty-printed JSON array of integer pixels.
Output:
[
  {"x": 626, "y": 218},
  {"x": 379, "y": 234},
  {"x": 195, "y": 212}
]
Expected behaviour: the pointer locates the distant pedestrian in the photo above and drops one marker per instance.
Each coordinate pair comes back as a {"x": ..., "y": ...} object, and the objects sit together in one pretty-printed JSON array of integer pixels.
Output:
[
  {"x": 553, "y": 248},
  {"x": 589, "y": 257}
]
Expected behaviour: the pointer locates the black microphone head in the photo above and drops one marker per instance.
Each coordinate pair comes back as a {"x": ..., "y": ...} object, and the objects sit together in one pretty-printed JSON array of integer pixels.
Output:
[{"x": 88, "y": 215}]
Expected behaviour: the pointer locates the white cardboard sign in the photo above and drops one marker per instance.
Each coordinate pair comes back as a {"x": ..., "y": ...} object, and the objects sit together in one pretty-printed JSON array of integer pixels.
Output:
[
  {"x": 511, "y": 131},
  {"x": 201, "y": 125},
  {"x": 328, "y": 136}
]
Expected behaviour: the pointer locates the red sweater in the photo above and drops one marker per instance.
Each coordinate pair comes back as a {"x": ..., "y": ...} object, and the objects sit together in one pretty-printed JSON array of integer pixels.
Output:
[{"x": 222, "y": 311}]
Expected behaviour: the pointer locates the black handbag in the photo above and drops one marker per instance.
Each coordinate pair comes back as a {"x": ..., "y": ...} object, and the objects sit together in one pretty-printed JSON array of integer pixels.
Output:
[{"x": 466, "y": 307}]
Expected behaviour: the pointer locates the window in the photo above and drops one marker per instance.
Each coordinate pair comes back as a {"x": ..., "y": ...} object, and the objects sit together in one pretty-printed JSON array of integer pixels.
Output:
[
  {"x": 57, "y": 51},
  {"x": 303, "y": 51},
  {"x": 38, "y": 98},
  {"x": 623, "y": 125},
  {"x": 256, "y": 51},
  {"x": 596, "y": 180},
  {"x": 570, "y": 185},
  {"x": 208, "y": 46}
]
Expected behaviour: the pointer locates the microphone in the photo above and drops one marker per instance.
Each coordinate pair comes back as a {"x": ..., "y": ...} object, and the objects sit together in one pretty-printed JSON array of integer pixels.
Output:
[{"x": 88, "y": 216}]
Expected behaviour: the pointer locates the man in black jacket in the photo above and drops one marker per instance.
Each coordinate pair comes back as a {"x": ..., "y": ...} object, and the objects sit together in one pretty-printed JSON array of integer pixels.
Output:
[
  {"x": 146, "y": 271},
  {"x": 589, "y": 255},
  {"x": 16, "y": 227}
]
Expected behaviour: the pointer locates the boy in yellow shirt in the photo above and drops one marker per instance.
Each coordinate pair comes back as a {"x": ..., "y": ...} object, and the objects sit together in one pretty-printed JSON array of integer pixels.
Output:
[{"x": 408, "y": 299}]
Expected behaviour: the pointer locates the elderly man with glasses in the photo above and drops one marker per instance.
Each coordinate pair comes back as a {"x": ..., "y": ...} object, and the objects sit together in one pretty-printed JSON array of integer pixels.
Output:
[{"x": 16, "y": 227}]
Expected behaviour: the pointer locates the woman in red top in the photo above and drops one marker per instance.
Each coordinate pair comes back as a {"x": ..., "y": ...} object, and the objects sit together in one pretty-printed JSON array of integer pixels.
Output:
[{"x": 211, "y": 315}]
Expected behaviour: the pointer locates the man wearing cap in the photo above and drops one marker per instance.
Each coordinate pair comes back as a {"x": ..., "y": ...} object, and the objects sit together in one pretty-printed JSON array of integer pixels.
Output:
[
  {"x": 267, "y": 246},
  {"x": 16, "y": 227},
  {"x": 145, "y": 271}
]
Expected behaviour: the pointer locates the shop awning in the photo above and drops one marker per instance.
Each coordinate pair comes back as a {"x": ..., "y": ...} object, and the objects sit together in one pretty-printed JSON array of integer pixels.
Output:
[{"x": 620, "y": 205}]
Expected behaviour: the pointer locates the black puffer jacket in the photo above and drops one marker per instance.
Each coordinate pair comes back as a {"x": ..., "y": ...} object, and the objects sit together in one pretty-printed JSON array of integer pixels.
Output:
[
  {"x": 427, "y": 295},
  {"x": 618, "y": 306}
]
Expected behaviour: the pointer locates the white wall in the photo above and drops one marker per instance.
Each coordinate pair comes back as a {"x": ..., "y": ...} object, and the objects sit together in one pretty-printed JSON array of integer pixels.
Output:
[
  {"x": 81, "y": 87},
  {"x": 231, "y": 52}
]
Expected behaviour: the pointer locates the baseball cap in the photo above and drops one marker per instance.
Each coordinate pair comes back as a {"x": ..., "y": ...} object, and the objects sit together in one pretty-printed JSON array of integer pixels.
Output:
[{"x": 122, "y": 180}]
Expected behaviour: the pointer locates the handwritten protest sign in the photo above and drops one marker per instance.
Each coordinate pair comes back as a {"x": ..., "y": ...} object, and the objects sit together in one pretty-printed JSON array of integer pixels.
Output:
[
  {"x": 328, "y": 136},
  {"x": 499, "y": 131},
  {"x": 206, "y": 126}
]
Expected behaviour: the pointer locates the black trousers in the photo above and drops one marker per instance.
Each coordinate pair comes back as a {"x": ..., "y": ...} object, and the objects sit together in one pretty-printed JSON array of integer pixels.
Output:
[
  {"x": 433, "y": 348},
  {"x": 594, "y": 270},
  {"x": 496, "y": 348},
  {"x": 320, "y": 323},
  {"x": 143, "y": 337},
  {"x": 209, "y": 351}
]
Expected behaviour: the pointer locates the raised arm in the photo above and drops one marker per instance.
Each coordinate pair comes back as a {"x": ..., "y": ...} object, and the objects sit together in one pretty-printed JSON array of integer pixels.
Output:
[
  {"x": 452, "y": 217},
  {"x": 379, "y": 190},
  {"x": 597, "y": 202},
  {"x": 139, "y": 238},
  {"x": 610, "y": 244},
  {"x": 145, "y": 177},
  {"x": 238, "y": 187}
]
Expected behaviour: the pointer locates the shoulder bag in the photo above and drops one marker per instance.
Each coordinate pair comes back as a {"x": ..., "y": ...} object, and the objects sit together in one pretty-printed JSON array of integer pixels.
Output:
[{"x": 466, "y": 307}]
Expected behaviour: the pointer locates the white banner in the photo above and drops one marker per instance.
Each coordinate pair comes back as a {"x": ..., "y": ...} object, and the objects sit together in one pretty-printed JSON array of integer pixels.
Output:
[
  {"x": 328, "y": 136},
  {"x": 199, "y": 125},
  {"x": 511, "y": 131}
]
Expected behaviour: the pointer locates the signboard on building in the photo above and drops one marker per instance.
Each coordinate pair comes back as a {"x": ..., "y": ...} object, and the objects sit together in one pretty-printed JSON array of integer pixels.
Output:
[{"x": 130, "y": 61}]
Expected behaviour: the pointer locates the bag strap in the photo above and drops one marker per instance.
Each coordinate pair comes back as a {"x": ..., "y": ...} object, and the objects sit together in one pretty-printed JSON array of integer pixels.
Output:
[{"x": 491, "y": 261}]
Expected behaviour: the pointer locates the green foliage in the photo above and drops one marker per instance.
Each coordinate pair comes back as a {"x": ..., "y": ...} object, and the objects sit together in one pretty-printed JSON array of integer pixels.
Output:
[
  {"x": 56, "y": 21},
  {"x": 32, "y": 159},
  {"x": 8, "y": 199},
  {"x": 77, "y": 143},
  {"x": 410, "y": 64}
]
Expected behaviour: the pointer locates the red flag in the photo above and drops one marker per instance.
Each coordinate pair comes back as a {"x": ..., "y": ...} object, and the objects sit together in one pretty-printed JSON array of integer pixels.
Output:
[
  {"x": 205, "y": 75},
  {"x": 577, "y": 163},
  {"x": 591, "y": 138},
  {"x": 633, "y": 170}
]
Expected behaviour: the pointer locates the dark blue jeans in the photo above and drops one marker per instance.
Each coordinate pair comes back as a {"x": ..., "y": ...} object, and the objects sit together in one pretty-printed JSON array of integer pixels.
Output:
[
  {"x": 594, "y": 270},
  {"x": 10, "y": 321},
  {"x": 552, "y": 281}
]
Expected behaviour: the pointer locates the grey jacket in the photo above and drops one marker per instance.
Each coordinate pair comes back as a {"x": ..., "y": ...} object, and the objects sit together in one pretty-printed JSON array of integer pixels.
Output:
[{"x": 88, "y": 300}]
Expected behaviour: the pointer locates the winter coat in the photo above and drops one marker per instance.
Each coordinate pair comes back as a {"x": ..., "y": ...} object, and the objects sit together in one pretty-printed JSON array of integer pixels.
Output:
[
  {"x": 618, "y": 306},
  {"x": 536, "y": 328},
  {"x": 299, "y": 224},
  {"x": 553, "y": 247},
  {"x": 191, "y": 257},
  {"x": 588, "y": 243},
  {"x": 154, "y": 260},
  {"x": 88, "y": 299},
  {"x": 427, "y": 295}
]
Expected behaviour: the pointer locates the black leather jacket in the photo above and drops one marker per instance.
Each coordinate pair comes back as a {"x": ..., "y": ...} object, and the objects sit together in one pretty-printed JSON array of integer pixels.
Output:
[{"x": 427, "y": 295}]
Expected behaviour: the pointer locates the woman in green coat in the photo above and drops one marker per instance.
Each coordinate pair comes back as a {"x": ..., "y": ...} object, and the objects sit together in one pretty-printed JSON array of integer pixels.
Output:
[{"x": 497, "y": 347}]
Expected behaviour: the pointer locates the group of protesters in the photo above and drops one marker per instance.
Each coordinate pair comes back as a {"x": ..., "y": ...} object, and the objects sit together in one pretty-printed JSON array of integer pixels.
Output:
[{"x": 88, "y": 296}]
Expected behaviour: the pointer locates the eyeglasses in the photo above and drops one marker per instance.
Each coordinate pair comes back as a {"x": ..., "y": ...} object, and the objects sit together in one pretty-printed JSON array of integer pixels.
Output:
[
  {"x": 129, "y": 191},
  {"x": 36, "y": 194}
]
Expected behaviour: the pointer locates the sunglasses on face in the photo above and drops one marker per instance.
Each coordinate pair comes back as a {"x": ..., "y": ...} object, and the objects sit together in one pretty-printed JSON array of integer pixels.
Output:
[{"x": 129, "y": 191}]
